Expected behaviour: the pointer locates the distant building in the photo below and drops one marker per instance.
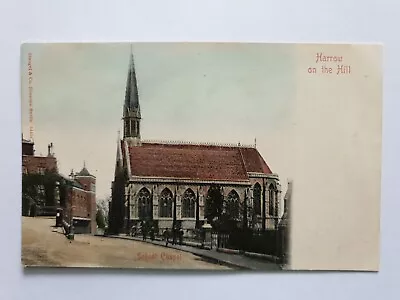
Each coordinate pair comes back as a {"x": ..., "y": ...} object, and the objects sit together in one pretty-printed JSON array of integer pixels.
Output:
[
  {"x": 33, "y": 164},
  {"x": 44, "y": 194},
  {"x": 38, "y": 198},
  {"x": 173, "y": 184},
  {"x": 81, "y": 201}
]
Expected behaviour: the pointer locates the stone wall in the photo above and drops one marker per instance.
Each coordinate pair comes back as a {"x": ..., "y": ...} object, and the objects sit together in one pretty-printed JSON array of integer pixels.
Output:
[{"x": 155, "y": 189}]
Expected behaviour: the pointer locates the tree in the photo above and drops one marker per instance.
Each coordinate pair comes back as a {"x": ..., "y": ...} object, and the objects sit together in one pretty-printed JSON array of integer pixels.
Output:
[
  {"x": 214, "y": 204},
  {"x": 102, "y": 204},
  {"x": 39, "y": 190},
  {"x": 33, "y": 192},
  {"x": 233, "y": 218},
  {"x": 100, "y": 219}
]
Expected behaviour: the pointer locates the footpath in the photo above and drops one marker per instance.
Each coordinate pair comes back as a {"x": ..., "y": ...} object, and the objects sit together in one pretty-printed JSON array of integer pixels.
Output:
[{"x": 233, "y": 260}]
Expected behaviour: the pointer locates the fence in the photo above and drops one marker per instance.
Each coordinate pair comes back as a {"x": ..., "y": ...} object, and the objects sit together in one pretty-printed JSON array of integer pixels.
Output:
[{"x": 270, "y": 242}]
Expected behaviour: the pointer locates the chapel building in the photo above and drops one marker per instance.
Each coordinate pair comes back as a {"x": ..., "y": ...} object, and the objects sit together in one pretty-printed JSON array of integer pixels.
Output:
[{"x": 173, "y": 183}]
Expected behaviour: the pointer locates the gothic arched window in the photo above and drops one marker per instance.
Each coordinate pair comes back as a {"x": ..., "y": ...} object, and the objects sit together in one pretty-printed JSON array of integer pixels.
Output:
[
  {"x": 138, "y": 128},
  {"x": 272, "y": 194},
  {"x": 257, "y": 199},
  {"x": 134, "y": 128},
  {"x": 188, "y": 204},
  {"x": 144, "y": 203},
  {"x": 232, "y": 205},
  {"x": 127, "y": 127},
  {"x": 165, "y": 204},
  {"x": 214, "y": 203}
]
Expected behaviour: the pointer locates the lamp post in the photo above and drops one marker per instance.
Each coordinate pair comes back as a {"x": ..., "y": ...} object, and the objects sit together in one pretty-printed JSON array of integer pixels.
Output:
[
  {"x": 57, "y": 194},
  {"x": 71, "y": 226},
  {"x": 57, "y": 202}
]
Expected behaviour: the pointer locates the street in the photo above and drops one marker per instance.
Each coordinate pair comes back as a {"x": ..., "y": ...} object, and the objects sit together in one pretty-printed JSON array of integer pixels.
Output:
[{"x": 43, "y": 245}]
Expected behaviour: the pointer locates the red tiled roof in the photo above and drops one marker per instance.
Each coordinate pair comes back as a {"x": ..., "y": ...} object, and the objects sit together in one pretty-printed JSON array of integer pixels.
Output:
[
  {"x": 195, "y": 162},
  {"x": 254, "y": 161}
]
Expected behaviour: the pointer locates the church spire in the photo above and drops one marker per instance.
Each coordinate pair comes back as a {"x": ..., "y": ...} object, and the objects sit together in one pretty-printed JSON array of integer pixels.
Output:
[
  {"x": 131, "y": 92},
  {"x": 131, "y": 114}
]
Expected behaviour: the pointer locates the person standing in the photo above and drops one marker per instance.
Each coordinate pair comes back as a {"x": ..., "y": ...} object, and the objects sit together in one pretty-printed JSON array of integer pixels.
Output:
[
  {"x": 174, "y": 236},
  {"x": 181, "y": 236},
  {"x": 166, "y": 236},
  {"x": 152, "y": 233}
]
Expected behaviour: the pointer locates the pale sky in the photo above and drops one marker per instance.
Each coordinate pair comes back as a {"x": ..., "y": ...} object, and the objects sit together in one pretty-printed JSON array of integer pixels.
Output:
[{"x": 188, "y": 91}]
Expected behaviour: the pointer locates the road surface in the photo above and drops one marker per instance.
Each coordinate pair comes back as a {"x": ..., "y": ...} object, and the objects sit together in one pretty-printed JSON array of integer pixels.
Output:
[{"x": 43, "y": 245}]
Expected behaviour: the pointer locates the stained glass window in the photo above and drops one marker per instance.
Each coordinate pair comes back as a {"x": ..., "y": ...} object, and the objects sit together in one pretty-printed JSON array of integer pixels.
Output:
[
  {"x": 257, "y": 199},
  {"x": 165, "y": 204},
  {"x": 188, "y": 204},
  {"x": 232, "y": 205},
  {"x": 144, "y": 203}
]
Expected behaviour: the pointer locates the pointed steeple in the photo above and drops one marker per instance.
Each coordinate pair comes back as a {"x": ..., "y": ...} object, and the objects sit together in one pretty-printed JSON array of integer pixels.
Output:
[
  {"x": 119, "y": 155},
  {"x": 131, "y": 114},
  {"x": 131, "y": 92},
  {"x": 84, "y": 171}
]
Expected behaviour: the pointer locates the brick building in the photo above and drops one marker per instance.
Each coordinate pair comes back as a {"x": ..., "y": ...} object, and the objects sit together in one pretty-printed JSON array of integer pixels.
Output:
[
  {"x": 75, "y": 195},
  {"x": 81, "y": 204},
  {"x": 38, "y": 196},
  {"x": 32, "y": 163},
  {"x": 174, "y": 184}
]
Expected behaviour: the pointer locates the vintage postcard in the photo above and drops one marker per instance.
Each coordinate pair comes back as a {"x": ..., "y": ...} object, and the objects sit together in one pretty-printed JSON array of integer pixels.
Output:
[{"x": 216, "y": 156}]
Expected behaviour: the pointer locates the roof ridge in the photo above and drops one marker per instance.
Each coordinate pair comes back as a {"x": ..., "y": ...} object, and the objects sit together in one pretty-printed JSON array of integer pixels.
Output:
[
  {"x": 243, "y": 163},
  {"x": 229, "y": 164},
  {"x": 216, "y": 144},
  {"x": 263, "y": 162}
]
